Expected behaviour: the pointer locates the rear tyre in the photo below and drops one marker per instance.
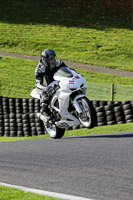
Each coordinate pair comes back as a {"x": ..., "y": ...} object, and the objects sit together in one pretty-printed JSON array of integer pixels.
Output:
[
  {"x": 88, "y": 116},
  {"x": 54, "y": 132}
]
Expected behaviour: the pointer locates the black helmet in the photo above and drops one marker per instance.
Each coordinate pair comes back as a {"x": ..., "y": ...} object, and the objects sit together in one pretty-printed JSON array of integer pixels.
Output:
[{"x": 48, "y": 58}]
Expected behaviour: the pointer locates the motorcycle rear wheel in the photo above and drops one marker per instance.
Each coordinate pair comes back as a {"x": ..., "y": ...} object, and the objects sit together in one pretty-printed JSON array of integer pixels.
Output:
[
  {"x": 54, "y": 132},
  {"x": 88, "y": 116}
]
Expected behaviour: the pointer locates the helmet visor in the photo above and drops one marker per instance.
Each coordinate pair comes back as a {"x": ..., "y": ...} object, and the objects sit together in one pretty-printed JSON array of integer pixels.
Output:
[{"x": 51, "y": 60}]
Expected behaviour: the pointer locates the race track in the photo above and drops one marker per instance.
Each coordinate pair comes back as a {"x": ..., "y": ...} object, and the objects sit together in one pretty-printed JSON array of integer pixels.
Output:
[{"x": 99, "y": 167}]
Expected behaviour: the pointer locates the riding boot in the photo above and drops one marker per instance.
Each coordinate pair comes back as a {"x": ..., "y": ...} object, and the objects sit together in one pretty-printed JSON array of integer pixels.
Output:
[{"x": 44, "y": 111}]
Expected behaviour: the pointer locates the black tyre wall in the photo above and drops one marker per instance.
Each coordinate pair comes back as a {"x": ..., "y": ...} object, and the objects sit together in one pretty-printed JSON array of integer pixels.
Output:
[{"x": 18, "y": 115}]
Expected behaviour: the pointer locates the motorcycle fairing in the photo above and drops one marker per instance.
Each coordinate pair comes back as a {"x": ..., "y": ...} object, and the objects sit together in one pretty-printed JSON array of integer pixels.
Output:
[
  {"x": 66, "y": 116},
  {"x": 35, "y": 94}
]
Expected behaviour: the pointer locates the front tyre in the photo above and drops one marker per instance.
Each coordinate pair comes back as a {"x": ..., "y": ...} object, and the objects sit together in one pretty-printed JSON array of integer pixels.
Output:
[
  {"x": 54, "y": 132},
  {"x": 88, "y": 116}
]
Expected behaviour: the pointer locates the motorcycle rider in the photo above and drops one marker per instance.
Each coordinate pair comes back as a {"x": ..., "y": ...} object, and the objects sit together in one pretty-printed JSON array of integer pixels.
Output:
[{"x": 44, "y": 72}]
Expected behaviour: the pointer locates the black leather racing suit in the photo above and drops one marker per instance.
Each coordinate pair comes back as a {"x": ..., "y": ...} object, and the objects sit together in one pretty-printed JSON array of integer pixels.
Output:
[{"x": 44, "y": 76}]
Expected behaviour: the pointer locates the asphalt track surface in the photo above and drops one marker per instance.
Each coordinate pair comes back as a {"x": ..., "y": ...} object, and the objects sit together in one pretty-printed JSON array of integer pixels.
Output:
[{"x": 99, "y": 167}]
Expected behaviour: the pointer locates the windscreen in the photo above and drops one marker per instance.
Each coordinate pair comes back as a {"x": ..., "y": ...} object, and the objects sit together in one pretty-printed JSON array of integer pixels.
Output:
[{"x": 64, "y": 72}]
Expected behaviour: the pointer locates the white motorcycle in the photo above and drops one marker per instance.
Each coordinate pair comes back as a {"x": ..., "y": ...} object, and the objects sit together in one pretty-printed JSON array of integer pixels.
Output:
[{"x": 69, "y": 105}]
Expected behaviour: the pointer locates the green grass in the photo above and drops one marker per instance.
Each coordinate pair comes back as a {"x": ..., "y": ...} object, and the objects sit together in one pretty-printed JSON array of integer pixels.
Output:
[
  {"x": 16, "y": 194},
  {"x": 7, "y": 139},
  {"x": 87, "y": 32},
  {"x": 102, "y": 130},
  {"x": 17, "y": 80}
]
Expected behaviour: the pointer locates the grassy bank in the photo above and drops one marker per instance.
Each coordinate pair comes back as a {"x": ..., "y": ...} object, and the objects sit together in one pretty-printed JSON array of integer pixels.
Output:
[{"x": 87, "y": 32}]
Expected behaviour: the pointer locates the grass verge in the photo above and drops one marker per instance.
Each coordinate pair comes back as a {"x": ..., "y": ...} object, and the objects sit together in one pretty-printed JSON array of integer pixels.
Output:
[{"x": 7, "y": 193}]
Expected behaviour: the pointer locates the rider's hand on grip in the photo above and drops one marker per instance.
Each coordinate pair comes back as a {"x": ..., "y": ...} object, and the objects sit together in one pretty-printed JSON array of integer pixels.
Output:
[{"x": 50, "y": 90}]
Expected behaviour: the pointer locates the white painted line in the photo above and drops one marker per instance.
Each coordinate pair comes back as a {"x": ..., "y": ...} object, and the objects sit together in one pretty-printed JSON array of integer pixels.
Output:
[{"x": 46, "y": 193}]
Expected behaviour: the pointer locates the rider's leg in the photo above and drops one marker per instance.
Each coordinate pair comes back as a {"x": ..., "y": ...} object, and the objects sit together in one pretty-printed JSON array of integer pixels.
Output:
[{"x": 44, "y": 101}]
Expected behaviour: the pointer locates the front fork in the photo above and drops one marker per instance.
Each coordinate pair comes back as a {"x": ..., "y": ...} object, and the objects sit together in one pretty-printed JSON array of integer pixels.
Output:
[{"x": 75, "y": 103}]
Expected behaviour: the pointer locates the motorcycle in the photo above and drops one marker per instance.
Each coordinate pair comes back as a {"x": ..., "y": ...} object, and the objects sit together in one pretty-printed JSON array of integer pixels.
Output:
[{"x": 69, "y": 105}]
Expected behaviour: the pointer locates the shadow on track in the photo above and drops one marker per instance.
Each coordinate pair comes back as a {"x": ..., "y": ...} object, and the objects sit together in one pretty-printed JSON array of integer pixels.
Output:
[{"x": 115, "y": 135}]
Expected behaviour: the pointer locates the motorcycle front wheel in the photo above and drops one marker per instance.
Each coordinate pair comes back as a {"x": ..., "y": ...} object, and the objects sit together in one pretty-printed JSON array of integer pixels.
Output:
[
  {"x": 88, "y": 116},
  {"x": 54, "y": 132}
]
